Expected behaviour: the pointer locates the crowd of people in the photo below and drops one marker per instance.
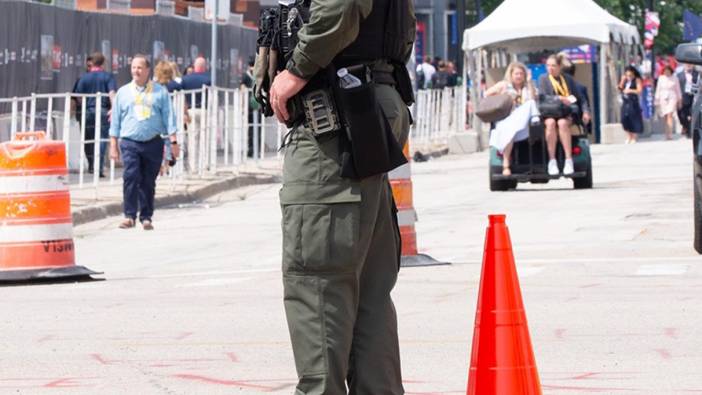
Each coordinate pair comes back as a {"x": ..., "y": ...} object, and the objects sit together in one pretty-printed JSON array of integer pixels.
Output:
[
  {"x": 167, "y": 74},
  {"x": 140, "y": 121},
  {"x": 436, "y": 73},
  {"x": 673, "y": 97},
  {"x": 559, "y": 90}
]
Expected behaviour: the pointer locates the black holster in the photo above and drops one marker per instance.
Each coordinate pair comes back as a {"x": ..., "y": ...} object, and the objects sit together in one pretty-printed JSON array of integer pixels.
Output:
[
  {"x": 368, "y": 145},
  {"x": 403, "y": 82}
]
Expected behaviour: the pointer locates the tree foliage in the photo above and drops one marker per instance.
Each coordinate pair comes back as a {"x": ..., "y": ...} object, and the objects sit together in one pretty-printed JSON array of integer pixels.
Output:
[{"x": 632, "y": 11}]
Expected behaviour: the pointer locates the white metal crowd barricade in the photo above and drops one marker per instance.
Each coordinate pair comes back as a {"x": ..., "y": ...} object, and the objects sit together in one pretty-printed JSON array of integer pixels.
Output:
[
  {"x": 218, "y": 133},
  {"x": 214, "y": 135},
  {"x": 438, "y": 115}
]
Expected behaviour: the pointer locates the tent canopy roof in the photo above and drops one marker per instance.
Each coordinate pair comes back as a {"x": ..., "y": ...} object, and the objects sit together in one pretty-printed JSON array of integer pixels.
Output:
[{"x": 527, "y": 25}]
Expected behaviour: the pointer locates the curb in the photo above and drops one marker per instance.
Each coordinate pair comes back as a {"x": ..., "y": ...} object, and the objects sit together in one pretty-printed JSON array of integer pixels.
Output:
[{"x": 102, "y": 211}]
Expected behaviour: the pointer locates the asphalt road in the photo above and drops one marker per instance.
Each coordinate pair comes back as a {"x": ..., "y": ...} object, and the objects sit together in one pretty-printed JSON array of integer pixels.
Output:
[{"x": 610, "y": 282}]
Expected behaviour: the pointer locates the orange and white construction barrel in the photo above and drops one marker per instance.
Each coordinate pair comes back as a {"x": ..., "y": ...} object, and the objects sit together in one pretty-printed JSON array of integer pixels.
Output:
[
  {"x": 36, "y": 228},
  {"x": 401, "y": 183}
]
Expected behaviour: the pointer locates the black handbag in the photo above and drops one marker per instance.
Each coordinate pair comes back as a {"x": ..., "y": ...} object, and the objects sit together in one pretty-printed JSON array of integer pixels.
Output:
[{"x": 551, "y": 106}]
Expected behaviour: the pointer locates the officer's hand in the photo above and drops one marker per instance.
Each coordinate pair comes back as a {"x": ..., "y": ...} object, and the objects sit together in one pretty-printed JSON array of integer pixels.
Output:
[
  {"x": 285, "y": 85},
  {"x": 175, "y": 151},
  {"x": 586, "y": 118}
]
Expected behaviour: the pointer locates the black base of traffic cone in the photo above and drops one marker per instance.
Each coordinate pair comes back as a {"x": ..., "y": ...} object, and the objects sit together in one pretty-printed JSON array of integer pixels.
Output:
[
  {"x": 47, "y": 274},
  {"x": 420, "y": 260}
]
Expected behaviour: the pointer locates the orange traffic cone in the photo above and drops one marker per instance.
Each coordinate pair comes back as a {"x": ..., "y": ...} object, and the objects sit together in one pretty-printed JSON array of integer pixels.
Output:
[
  {"x": 502, "y": 360},
  {"x": 36, "y": 228},
  {"x": 401, "y": 183}
]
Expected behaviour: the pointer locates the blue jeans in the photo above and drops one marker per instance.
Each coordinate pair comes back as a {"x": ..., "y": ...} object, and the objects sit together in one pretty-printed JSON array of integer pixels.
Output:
[{"x": 142, "y": 162}]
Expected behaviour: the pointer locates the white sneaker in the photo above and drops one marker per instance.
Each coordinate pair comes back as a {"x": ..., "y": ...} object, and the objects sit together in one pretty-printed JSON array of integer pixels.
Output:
[
  {"x": 568, "y": 167},
  {"x": 553, "y": 168}
]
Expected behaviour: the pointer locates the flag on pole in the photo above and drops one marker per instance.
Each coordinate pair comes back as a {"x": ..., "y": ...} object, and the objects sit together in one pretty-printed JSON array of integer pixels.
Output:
[{"x": 692, "y": 29}]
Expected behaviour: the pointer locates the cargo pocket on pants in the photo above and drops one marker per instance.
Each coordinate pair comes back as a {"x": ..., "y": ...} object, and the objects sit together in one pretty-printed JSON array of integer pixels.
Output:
[
  {"x": 319, "y": 242},
  {"x": 320, "y": 238}
]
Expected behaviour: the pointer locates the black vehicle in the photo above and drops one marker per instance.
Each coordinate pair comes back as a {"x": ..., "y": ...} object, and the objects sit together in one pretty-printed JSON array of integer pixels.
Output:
[
  {"x": 692, "y": 53},
  {"x": 529, "y": 162}
]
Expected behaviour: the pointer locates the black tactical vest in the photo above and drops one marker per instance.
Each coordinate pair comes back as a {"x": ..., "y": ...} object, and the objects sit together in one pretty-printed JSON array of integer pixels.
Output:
[{"x": 388, "y": 32}]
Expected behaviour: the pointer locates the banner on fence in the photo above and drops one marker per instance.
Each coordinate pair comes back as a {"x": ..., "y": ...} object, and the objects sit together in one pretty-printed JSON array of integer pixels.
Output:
[{"x": 43, "y": 48}]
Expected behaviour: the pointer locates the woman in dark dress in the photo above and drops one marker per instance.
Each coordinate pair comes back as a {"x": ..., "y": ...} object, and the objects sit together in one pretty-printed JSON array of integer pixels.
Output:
[{"x": 631, "y": 86}]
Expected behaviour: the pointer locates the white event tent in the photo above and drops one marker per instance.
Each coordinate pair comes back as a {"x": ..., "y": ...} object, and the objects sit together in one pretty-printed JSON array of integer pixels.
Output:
[{"x": 521, "y": 26}]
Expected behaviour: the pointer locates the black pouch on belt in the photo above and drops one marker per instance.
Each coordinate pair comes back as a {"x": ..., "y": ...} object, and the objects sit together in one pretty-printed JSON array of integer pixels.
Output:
[
  {"x": 373, "y": 147},
  {"x": 403, "y": 82}
]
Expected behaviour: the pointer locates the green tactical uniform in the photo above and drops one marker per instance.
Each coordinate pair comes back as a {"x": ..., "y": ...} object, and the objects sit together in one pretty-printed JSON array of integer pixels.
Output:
[{"x": 340, "y": 239}]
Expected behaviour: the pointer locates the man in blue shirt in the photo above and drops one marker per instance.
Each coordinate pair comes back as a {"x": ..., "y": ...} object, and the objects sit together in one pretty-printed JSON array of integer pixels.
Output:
[
  {"x": 196, "y": 80},
  {"x": 94, "y": 81},
  {"x": 141, "y": 115},
  {"x": 196, "y": 114}
]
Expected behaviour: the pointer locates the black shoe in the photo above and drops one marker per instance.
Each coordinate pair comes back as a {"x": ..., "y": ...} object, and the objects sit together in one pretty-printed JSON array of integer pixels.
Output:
[{"x": 102, "y": 175}]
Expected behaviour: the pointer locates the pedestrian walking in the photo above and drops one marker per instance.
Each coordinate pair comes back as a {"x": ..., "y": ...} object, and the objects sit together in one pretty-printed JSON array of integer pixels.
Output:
[
  {"x": 177, "y": 77},
  {"x": 631, "y": 86},
  {"x": 94, "y": 81},
  {"x": 247, "y": 82},
  {"x": 453, "y": 75},
  {"x": 164, "y": 74},
  {"x": 688, "y": 78},
  {"x": 425, "y": 71},
  {"x": 341, "y": 242},
  {"x": 75, "y": 100},
  {"x": 196, "y": 111},
  {"x": 142, "y": 116},
  {"x": 440, "y": 79},
  {"x": 668, "y": 99}
]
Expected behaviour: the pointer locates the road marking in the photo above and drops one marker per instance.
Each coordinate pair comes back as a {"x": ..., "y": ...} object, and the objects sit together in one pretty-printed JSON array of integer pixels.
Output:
[
  {"x": 225, "y": 382},
  {"x": 662, "y": 270},
  {"x": 665, "y": 354}
]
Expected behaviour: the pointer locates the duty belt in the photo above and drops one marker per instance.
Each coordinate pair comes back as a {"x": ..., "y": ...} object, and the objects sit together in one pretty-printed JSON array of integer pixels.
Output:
[{"x": 321, "y": 115}]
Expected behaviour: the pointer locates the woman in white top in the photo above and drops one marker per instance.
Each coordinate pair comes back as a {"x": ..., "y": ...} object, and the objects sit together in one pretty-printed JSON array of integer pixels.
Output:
[
  {"x": 668, "y": 98},
  {"x": 516, "y": 126}
]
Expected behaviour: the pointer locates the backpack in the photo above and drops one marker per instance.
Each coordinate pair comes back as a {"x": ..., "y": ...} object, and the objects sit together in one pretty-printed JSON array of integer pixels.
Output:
[{"x": 440, "y": 80}]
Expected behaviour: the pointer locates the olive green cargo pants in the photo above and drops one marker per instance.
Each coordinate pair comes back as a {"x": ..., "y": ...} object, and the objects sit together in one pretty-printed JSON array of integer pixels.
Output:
[{"x": 340, "y": 263}]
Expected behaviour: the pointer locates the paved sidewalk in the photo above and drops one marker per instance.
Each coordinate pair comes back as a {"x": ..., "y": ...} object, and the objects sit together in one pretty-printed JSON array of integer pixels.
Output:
[{"x": 89, "y": 203}]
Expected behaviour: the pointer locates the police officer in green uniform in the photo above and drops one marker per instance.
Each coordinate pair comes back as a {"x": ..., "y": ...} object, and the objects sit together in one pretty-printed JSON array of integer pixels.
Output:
[{"x": 340, "y": 237}]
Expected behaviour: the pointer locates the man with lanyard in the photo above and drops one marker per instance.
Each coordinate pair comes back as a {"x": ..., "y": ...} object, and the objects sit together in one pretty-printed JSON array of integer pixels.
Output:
[
  {"x": 341, "y": 242},
  {"x": 688, "y": 78},
  {"x": 94, "y": 81},
  {"x": 141, "y": 115}
]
